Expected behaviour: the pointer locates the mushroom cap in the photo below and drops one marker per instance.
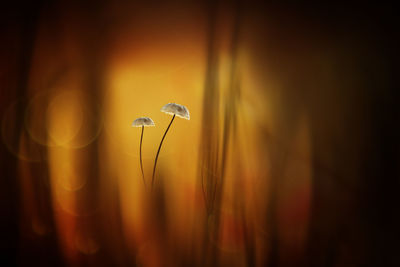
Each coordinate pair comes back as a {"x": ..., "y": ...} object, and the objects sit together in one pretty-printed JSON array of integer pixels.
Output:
[
  {"x": 143, "y": 121},
  {"x": 176, "y": 109}
]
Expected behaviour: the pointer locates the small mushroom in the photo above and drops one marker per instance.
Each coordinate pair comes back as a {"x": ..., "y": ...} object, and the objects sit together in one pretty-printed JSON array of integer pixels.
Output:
[
  {"x": 175, "y": 110},
  {"x": 142, "y": 122}
]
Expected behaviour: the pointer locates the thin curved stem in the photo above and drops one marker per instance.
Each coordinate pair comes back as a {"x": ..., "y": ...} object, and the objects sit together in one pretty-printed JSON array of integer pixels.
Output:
[
  {"x": 140, "y": 152},
  {"x": 158, "y": 152}
]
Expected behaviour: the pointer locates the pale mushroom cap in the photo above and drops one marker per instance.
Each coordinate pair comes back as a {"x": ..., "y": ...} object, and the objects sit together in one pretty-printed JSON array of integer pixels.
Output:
[
  {"x": 176, "y": 109},
  {"x": 143, "y": 121}
]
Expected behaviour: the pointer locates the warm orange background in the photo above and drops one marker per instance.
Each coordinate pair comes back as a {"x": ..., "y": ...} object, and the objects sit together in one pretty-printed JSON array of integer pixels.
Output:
[{"x": 277, "y": 119}]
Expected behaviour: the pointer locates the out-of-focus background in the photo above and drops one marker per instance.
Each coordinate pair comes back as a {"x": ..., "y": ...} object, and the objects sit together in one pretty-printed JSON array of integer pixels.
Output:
[{"x": 290, "y": 158}]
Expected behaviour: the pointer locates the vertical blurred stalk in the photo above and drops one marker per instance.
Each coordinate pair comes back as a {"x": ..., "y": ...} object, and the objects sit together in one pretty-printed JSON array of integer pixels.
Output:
[
  {"x": 210, "y": 126},
  {"x": 106, "y": 225},
  {"x": 213, "y": 154},
  {"x": 209, "y": 143},
  {"x": 24, "y": 22}
]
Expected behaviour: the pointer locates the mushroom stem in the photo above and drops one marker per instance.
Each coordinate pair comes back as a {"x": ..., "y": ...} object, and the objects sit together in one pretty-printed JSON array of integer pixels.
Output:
[
  {"x": 140, "y": 152},
  {"x": 158, "y": 152}
]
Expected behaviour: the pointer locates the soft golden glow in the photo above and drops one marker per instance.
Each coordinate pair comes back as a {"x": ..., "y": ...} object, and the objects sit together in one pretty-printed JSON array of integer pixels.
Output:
[{"x": 92, "y": 152}]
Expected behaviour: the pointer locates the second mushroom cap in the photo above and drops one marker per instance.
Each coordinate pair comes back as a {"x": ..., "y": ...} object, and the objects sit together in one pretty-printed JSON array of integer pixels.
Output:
[{"x": 176, "y": 109}]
